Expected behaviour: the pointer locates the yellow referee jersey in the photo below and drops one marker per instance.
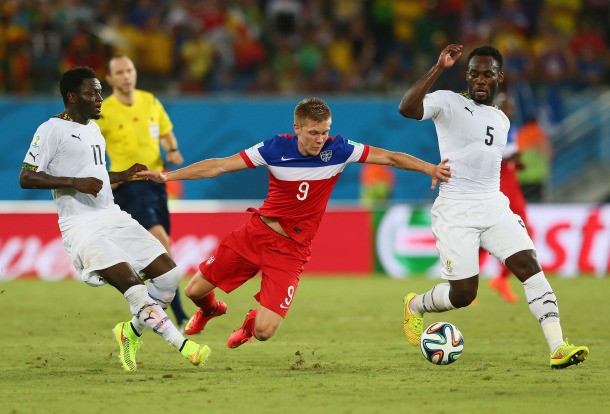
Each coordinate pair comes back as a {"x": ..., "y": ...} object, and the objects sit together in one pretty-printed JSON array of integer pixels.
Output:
[{"x": 132, "y": 132}]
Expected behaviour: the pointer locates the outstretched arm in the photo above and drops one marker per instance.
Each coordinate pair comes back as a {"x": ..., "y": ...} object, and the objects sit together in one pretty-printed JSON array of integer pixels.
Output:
[
  {"x": 404, "y": 161},
  {"x": 209, "y": 168},
  {"x": 411, "y": 105}
]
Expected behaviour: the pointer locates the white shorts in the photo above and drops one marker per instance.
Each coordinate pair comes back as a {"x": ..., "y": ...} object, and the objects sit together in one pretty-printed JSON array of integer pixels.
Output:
[
  {"x": 108, "y": 240},
  {"x": 462, "y": 226}
]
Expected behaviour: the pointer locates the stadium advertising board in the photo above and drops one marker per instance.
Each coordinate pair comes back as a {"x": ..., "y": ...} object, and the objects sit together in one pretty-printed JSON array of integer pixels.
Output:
[
  {"x": 570, "y": 240},
  {"x": 30, "y": 242}
]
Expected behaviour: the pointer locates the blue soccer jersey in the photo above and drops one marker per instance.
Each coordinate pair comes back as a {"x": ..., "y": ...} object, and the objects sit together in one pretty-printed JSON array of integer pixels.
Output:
[{"x": 300, "y": 186}]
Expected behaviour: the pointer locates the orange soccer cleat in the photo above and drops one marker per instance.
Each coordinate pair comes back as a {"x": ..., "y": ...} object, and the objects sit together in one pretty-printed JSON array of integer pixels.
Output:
[
  {"x": 500, "y": 284},
  {"x": 198, "y": 321},
  {"x": 244, "y": 333}
]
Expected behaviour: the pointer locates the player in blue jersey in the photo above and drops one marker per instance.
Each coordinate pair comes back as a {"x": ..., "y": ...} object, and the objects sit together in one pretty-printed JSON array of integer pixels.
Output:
[{"x": 303, "y": 169}]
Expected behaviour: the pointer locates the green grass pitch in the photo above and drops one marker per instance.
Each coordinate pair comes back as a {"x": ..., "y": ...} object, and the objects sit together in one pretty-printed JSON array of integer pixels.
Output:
[{"x": 340, "y": 350}]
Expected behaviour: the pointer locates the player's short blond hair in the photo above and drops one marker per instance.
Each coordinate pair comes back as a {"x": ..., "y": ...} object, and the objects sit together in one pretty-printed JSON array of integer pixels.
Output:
[{"x": 311, "y": 109}]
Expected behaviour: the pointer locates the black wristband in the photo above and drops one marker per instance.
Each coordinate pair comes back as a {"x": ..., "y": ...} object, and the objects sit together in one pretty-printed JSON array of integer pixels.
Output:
[{"x": 172, "y": 149}]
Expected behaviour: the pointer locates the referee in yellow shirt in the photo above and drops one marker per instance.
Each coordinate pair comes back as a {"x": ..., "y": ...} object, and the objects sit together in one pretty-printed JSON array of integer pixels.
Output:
[{"x": 135, "y": 126}]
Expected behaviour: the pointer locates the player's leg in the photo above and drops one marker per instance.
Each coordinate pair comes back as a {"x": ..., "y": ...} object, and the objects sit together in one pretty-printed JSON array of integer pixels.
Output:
[
  {"x": 260, "y": 323},
  {"x": 543, "y": 305},
  {"x": 281, "y": 272},
  {"x": 147, "y": 313},
  {"x": 164, "y": 278},
  {"x": 510, "y": 243},
  {"x": 146, "y": 202},
  {"x": 147, "y": 255},
  {"x": 232, "y": 264},
  {"x": 176, "y": 304},
  {"x": 509, "y": 186},
  {"x": 201, "y": 292},
  {"x": 458, "y": 243}
]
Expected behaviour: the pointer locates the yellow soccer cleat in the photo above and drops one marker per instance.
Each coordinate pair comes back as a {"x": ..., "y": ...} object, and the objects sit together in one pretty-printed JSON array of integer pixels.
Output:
[
  {"x": 567, "y": 355},
  {"x": 412, "y": 323},
  {"x": 128, "y": 345},
  {"x": 195, "y": 353}
]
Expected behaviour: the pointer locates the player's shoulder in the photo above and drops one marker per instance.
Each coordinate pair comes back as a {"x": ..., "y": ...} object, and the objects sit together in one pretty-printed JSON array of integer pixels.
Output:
[
  {"x": 340, "y": 140},
  {"x": 335, "y": 141},
  {"x": 47, "y": 126},
  {"x": 53, "y": 129},
  {"x": 55, "y": 123},
  {"x": 444, "y": 93},
  {"x": 445, "y": 97},
  {"x": 281, "y": 140},
  {"x": 277, "y": 143},
  {"x": 284, "y": 137}
]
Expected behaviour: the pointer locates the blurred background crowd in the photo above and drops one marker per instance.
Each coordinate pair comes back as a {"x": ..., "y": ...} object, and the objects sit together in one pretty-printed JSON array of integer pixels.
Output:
[
  {"x": 551, "y": 47},
  {"x": 556, "y": 59}
]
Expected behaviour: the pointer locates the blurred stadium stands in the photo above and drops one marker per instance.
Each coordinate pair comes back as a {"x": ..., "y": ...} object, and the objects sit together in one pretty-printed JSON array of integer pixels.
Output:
[{"x": 556, "y": 58}]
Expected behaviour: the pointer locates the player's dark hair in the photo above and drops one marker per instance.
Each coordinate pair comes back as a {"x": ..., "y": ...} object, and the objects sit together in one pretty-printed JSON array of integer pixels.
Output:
[
  {"x": 312, "y": 109},
  {"x": 72, "y": 80},
  {"x": 488, "y": 51}
]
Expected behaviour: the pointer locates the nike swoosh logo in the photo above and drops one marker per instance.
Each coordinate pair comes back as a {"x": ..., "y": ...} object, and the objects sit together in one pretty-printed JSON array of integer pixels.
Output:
[{"x": 286, "y": 159}]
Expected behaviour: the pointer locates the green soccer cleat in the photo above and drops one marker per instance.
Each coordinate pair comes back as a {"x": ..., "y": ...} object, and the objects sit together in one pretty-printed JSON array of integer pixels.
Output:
[
  {"x": 568, "y": 354},
  {"x": 128, "y": 345},
  {"x": 195, "y": 353},
  {"x": 412, "y": 323}
]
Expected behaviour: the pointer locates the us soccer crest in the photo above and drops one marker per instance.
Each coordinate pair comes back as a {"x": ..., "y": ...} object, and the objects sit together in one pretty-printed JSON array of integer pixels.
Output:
[{"x": 326, "y": 155}]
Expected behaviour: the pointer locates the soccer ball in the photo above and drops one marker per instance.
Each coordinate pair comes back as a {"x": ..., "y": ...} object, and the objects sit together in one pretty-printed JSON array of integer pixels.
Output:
[{"x": 442, "y": 343}]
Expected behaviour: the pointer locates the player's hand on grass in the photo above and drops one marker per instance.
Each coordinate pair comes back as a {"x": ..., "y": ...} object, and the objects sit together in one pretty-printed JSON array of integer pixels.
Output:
[
  {"x": 156, "y": 176},
  {"x": 87, "y": 185},
  {"x": 441, "y": 172}
]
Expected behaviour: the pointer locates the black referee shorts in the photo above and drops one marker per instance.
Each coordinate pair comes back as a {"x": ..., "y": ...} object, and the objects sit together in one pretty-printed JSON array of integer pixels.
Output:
[{"x": 146, "y": 201}]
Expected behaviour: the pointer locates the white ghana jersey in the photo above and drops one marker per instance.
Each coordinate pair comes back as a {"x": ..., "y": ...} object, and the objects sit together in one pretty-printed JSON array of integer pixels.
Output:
[
  {"x": 472, "y": 136},
  {"x": 64, "y": 148},
  {"x": 300, "y": 186}
]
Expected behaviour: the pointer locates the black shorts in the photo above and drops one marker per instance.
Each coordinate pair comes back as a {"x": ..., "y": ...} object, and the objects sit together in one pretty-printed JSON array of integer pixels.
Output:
[{"x": 146, "y": 201}]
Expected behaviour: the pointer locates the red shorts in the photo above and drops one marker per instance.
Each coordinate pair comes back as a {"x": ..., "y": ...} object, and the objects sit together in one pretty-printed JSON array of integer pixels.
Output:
[{"x": 254, "y": 247}]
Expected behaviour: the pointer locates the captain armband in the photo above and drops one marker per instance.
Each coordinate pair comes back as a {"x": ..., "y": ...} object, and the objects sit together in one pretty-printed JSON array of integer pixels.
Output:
[{"x": 29, "y": 167}]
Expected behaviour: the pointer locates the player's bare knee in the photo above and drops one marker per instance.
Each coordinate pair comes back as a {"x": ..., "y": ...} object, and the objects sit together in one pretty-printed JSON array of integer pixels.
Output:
[
  {"x": 191, "y": 292},
  {"x": 263, "y": 334},
  {"x": 263, "y": 331},
  {"x": 523, "y": 264}
]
